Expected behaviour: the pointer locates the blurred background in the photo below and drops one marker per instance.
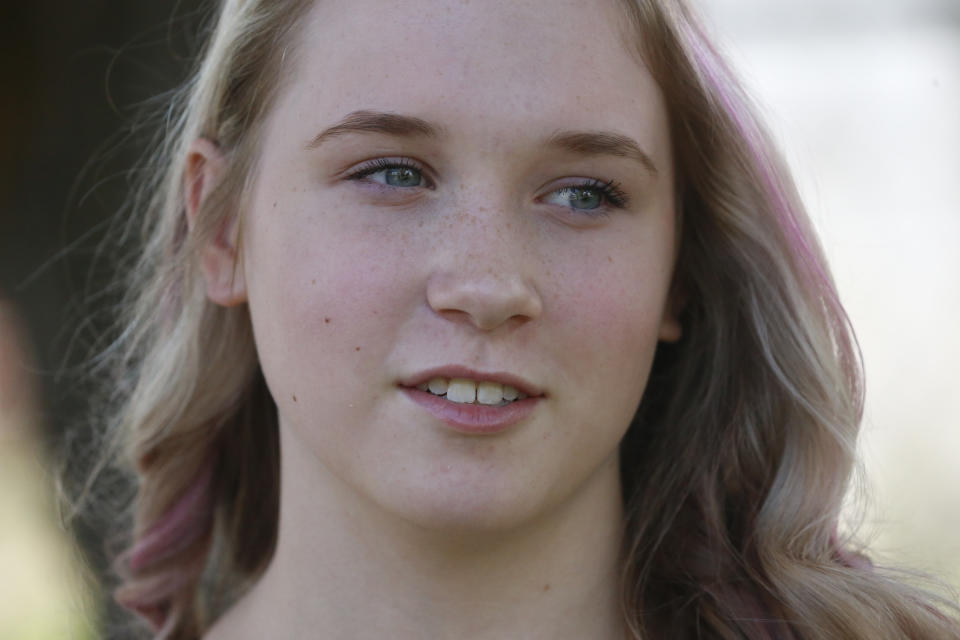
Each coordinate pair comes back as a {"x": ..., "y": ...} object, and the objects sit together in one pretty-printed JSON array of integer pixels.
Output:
[
  {"x": 76, "y": 77},
  {"x": 864, "y": 96}
]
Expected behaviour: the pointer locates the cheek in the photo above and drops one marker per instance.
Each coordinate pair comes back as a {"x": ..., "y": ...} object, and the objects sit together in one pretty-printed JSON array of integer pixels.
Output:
[
  {"x": 607, "y": 320},
  {"x": 325, "y": 302},
  {"x": 611, "y": 314},
  {"x": 609, "y": 309}
]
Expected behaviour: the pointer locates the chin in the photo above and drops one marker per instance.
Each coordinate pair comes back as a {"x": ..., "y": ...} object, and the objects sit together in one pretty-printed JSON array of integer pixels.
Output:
[{"x": 468, "y": 507}]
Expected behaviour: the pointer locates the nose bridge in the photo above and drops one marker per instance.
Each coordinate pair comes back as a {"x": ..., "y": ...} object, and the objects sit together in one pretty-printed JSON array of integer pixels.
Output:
[
  {"x": 484, "y": 236},
  {"x": 483, "y": 271}
]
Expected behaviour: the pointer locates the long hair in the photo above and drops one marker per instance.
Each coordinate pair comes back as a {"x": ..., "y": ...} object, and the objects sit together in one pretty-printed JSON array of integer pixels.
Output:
[
  {"x": 733, "y": 468},
  {"x": 738, "y": 459}
]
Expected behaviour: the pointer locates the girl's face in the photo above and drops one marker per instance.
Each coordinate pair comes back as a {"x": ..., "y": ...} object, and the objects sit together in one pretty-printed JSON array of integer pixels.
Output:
[{"x": 451, "y": 189}]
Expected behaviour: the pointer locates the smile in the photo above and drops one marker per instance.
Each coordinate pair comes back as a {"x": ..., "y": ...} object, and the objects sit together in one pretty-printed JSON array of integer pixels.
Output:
[
  {"x": 466, "y": 391},
  {"x": 473, "y": 418},
  {"x": 471, "y": 401}
]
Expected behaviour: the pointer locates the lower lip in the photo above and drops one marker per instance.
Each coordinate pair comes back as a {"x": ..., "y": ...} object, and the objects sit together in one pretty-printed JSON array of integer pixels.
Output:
[{"x": 475, "y": 419}]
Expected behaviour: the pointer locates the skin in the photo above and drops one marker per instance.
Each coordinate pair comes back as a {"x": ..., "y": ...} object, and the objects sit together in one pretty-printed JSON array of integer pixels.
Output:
[{"x": 392, "y": 525}]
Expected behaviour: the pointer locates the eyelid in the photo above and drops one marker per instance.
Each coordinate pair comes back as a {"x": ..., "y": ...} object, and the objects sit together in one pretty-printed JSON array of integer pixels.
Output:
[
  {"x": 374, "y": 165},
  {"x": 614, "y": 197}
]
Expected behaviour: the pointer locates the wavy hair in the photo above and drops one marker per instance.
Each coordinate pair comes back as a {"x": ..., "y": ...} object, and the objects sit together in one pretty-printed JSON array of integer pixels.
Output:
[{"x": 733, "y": 469}]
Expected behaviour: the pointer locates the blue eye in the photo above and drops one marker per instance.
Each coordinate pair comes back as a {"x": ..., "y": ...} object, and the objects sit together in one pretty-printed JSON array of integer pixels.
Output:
[
  {"x": 591, "y": 197},
  {"x": 402, "y": 177},
  {"x": 580, "y": 198},
  {"x": 392, "y": 173}
]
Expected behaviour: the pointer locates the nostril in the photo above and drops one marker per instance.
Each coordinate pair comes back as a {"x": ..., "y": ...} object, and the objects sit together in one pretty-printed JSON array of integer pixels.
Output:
[{"x": 486, "y": 300}]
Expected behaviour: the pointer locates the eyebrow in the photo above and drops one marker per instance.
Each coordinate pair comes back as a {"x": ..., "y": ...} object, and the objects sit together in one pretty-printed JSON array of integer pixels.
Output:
[
  {"x": 601, "y": 143},
  {"x": 590, "y": 143},
  {"x": 393, "y": 124}
]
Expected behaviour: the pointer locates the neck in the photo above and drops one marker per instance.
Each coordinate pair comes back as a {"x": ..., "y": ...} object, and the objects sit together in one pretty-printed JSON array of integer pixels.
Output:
[{"x": 347, "y": 567}]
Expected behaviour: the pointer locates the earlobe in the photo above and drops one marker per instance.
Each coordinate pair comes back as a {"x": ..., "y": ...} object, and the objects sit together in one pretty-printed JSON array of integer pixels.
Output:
[
  {"x": 219, "y": 255},
  {"x": 670, "y": 328}
]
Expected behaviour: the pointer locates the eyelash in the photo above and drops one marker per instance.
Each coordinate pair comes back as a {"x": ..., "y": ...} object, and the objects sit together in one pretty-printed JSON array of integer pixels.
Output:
[
  {"x": 611, "y": 193},
  {"x": 381, "y": 164}
]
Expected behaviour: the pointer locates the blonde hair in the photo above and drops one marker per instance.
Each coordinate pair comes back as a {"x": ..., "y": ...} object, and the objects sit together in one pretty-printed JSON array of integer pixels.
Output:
[{"x": 733, "y": 469}]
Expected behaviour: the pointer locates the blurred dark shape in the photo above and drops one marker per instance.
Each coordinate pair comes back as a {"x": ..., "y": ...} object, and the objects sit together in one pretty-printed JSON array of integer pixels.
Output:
[{"x": 77, "y": 76}]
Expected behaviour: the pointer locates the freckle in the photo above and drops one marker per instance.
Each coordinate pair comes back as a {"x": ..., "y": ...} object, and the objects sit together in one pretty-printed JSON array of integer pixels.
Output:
[
  {"x": 609, "y": 259},
  {"x": 294, "y": 398},
  {"x": 546, "y": 587},
  {"x": 313, "y": 282},
  {"x": 357, "y": 349},
  {"x": 326, "y": 320}
]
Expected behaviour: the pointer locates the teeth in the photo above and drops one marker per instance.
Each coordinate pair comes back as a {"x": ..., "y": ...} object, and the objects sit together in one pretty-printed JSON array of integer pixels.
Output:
[
  {"x": 489, "y": 393},
  {"x": 437, "y": 386},
  {"x": 467, "y": 391},
  {"x": 461, "y": 390}
]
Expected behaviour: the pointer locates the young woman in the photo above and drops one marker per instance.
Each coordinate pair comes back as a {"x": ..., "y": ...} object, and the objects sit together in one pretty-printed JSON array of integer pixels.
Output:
[{"x": 478, "y": 320}]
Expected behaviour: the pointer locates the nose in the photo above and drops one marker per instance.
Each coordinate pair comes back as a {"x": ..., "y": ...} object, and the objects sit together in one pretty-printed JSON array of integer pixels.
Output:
[
  {"x": 486, "y": 301},
  {"x": 481, "y": 279}
]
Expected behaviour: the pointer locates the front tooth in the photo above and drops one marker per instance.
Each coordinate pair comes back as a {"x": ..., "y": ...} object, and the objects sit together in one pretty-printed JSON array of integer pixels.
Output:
[
  {"x": 510, "y": 393},
  {"x": 489, "y": 393},
  {"x": 461, "y": 390},
  {"x": 437, "y": 386}
]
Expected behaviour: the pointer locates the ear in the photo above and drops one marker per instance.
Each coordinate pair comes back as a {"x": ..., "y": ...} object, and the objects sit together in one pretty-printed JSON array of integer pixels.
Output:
[
  {"x": 670, "y": 328},
  {"x": 223, "y": 274}
]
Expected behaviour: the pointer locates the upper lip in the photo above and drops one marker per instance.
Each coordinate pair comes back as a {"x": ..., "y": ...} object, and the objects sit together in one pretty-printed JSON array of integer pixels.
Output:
[{"x": 457, "y": 371}]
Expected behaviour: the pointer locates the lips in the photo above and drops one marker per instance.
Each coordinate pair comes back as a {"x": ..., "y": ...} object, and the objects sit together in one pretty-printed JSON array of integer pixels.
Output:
[
  {"x": 469, "y": 418},
  {"x": 473, "y": 419},
  {"x": 456, "y": 371}
]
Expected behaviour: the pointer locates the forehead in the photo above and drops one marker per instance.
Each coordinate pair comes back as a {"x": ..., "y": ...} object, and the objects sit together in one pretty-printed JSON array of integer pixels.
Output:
[{"x": 550, "y": 63}]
